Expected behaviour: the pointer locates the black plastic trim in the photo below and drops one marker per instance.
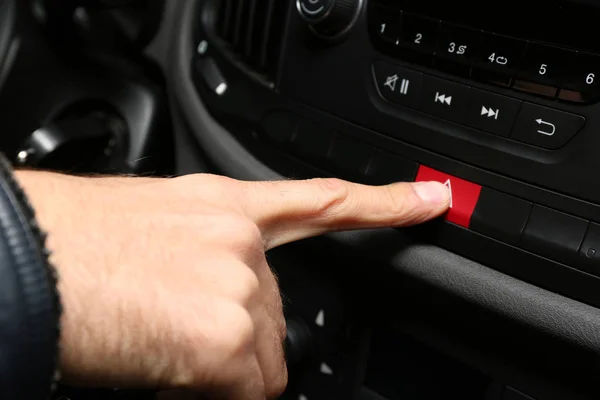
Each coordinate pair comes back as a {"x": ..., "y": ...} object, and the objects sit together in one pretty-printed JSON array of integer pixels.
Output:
[{"x": 547, "y": 311}]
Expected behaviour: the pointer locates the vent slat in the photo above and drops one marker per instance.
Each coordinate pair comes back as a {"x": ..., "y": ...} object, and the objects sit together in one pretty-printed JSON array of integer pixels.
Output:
[
  {"x": 239, "y": 22},
  {"x": 254, "y": 31},
  {"x": 250, "y": 27},
  {"x": 227, "y": 12},
  {"x": 275, "y": 38},
  {"x": 266, "y": 33}
]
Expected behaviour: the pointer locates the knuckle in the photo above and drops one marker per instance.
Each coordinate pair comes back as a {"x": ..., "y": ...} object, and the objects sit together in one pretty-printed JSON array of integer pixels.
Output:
[
  {"x": 208, "y": 179},
  {"x": 204, "y": 185},
  {"x": 234, "y": 337},
  {"x": 398, "y": 204},
  {"x": 245, "y": 286},
  {"x": 241, "y": 233},
  {"x": 332, "y": 194}
]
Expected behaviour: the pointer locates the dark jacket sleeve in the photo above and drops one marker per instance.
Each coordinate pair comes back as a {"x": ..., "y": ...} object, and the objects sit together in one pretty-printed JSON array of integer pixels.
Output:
[{"x": 29, "y": 302}]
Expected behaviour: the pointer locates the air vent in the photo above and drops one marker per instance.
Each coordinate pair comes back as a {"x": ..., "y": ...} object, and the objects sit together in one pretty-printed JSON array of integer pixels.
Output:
[{"x": 253, "y": 31}]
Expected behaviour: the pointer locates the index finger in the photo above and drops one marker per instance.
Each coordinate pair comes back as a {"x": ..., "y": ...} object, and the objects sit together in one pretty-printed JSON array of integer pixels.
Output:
[{"x": 286, "y": 211}]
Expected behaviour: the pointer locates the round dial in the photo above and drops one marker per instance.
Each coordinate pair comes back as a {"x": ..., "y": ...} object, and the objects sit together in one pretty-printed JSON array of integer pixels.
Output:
[{"x": 330, "y": 18}]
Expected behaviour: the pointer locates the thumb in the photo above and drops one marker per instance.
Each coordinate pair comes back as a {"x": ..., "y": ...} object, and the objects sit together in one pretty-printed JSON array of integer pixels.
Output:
[{"x": 287, "y": 211}]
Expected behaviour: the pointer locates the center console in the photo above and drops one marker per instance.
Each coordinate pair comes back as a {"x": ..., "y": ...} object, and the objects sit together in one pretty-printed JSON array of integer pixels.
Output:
[{"x": 498, "y": 101}]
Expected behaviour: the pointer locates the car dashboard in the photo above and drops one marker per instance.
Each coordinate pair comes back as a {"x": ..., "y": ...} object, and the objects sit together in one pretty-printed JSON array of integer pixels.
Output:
[{"x": 496, "y": 300}]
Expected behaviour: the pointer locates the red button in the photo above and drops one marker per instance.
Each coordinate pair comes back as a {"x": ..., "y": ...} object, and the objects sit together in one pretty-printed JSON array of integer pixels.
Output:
[{"x": 464, "y": 198}]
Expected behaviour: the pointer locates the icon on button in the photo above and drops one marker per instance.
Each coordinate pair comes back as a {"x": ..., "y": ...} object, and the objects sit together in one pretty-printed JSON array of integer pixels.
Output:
[
  {"x": 391, "y": 82},
  {"x": 490, "y": 112},
  {"x": 442, "y": 98},
  {"x": 546, "y": 128},
  {"x": 448, "y": 184}
]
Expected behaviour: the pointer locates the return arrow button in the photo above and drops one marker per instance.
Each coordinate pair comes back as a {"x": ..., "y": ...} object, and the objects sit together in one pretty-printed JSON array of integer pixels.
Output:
[{"x": 546, "y": 127}]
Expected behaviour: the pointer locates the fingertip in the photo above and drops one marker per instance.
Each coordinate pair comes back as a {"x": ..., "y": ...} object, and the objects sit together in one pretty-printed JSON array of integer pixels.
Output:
[{"x": 433, "y": 193}]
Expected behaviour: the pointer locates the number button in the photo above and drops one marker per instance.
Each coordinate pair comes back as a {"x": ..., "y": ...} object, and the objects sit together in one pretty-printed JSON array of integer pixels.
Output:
[
  {"x": 385, "y": 25},
  {"x": 590, "y": 79},
  {"x": 582, "y": 79},
  {"x": 456, "y": 48},
  {"x": 457, "y": 43},
  {"x": 419, "y": 33},
  {"x": 544, "y": 65},
  {"x": 498, "y": 58}
]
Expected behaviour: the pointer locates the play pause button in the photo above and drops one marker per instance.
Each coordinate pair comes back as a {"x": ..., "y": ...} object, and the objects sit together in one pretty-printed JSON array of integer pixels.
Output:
[{"x": 491, "y": 112}]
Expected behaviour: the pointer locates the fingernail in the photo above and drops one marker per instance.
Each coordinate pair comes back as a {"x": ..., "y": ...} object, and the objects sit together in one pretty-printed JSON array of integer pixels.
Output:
[{"x": 432, "y": 192}]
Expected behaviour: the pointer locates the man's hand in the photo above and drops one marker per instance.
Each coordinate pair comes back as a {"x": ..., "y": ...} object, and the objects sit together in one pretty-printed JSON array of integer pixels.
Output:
[{"x": 165, "y": 284}]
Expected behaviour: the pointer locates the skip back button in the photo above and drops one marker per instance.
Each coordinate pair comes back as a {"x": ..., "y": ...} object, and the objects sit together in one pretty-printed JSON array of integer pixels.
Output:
[
  {"x": 546, "y": 127},
  {"x": 444, "y": 99}
]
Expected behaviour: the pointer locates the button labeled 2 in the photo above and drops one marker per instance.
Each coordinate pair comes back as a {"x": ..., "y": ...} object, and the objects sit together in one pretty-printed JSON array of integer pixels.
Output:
[{"x": 464, "y": 194}]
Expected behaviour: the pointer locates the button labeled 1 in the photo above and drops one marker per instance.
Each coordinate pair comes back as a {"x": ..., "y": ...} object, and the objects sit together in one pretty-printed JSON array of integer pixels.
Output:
[
  {"x": 464, "y": 195},
  {"x": 546, "y": 127}
]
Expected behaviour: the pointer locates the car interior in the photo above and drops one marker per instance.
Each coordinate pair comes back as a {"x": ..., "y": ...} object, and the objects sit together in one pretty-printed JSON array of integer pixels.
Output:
[{"x": 496, "y": 300}]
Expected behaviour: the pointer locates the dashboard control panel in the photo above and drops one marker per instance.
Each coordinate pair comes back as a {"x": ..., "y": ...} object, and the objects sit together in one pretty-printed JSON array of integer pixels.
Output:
[
  {"x": 521, "y": 64},
  {"x": 502, "y": 107},
  {"x": 525, "y": 122},
  {"x": 532, "y": 227}
]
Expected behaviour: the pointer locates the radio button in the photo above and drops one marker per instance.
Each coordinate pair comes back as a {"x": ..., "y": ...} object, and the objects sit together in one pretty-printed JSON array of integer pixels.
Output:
[
  {"x": 554, "y": 234},
  {"x": 444, "y": 99},
  {"x": 312, "y": 142},
  {"x": 384, "y": 24},
  {"x": 456, "y": 48},
  {"x": 582, "y": 83},
  {"x": 386, "y": 168},
  {"x": 545, "y": 127},
  {"x": 491, "y": 112},
  {"x": 398, "y": 85},
  {"x": 500, "y": 216},
  {"x": 279, "y": 127},
  {"x": 543, "y": 70},
  {"x": 544, "y": 64},
  {"x": 500, "y": 55},
  {"x": 350, "y": 157},
  {"x": 419, "y": 33}
]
